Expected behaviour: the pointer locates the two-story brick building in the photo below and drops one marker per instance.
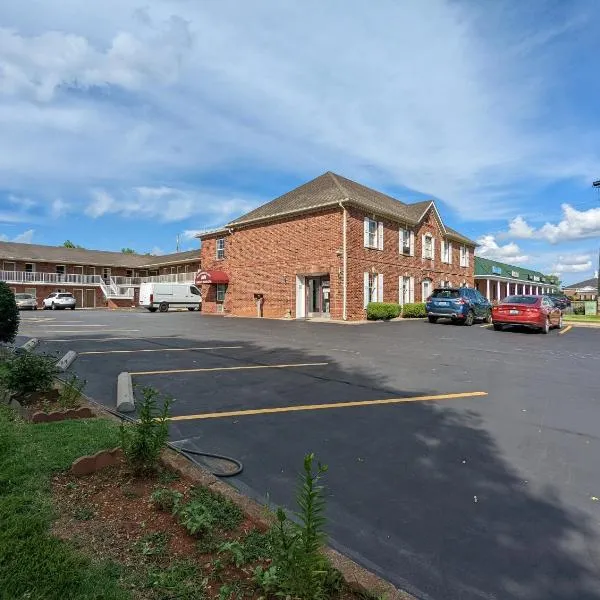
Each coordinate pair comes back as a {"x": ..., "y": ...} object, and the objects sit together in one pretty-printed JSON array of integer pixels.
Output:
[
  {"x": 326, "y": 249},
  {"x": 96, "y": 278}
]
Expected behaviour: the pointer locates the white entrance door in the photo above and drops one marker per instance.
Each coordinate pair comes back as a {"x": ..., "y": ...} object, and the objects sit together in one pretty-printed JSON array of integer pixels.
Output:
[
  {"x": 425, "y": 289},
  {"x": 300, "y": 298}
]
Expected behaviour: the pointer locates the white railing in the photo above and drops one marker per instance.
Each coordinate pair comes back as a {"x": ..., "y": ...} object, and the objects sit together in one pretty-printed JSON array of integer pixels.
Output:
[
  {"x": 127, "y": 281},
  {"x": 49, "y": 278},
  {"x": 170, "y": 278}
]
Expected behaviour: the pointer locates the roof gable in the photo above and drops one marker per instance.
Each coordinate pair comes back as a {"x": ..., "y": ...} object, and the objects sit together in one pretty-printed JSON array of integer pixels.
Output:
[{"x": 588, "y": 283}]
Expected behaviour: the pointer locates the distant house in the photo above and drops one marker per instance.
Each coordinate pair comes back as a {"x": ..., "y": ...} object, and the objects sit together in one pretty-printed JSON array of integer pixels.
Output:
[
  {"x": 496, "y": 280},
  {"x": 584, "y": 290},
  {"x": 328, "y": 248},
  {"x": 95, "y": 277}
]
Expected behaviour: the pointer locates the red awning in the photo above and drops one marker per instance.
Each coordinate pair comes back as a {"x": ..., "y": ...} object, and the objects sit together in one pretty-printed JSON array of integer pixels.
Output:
[{"x": 208, "y": 277}]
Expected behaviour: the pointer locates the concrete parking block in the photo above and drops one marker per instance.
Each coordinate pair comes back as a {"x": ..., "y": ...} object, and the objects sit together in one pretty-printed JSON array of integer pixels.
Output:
[
  {"x": 125, "y": 398},
  {"x": 30, "y": 344},
  {"x": 65, "y": 362}
]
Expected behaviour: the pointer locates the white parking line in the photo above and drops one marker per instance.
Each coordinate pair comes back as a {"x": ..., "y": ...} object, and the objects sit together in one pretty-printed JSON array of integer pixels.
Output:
[
  {"x": 110, "y": 339},
  {"x": 158, "y": 350},
  {"x": 69, "y": 325},
  {"x": 88, "y": 331}
]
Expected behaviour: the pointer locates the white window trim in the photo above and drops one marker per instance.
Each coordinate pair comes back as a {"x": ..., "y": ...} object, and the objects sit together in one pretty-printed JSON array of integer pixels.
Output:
[
  {"x": 411, "y": 241},
  {"x": 423, "y": 295},
  {"x": 220, "y": 250},
  {"x": 64, "y": 271},
  {"x": 464, "y": 256},
  {"x": 446, "y": 252},
  {"x": 432, "y": 254},
  {"x": 378, "y": 245},
  {"x": 32, "y": 267},
  {"x": 410, "y": 289}
]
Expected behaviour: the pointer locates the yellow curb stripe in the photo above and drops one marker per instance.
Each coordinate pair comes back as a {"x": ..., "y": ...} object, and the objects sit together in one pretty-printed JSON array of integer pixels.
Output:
[
  {"x": 565, "y": 330},
  {"x": 158, "y": 350},
  {"x": 249, "y": 367},
  {"x": 283, "y": 409}
]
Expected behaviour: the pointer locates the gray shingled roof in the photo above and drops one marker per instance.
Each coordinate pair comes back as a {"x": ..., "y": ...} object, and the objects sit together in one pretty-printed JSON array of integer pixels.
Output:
[
  {"x": 593, "y": 283},
  {"x": 80, "y": 256},
  {"x": 328, "y": 190}
]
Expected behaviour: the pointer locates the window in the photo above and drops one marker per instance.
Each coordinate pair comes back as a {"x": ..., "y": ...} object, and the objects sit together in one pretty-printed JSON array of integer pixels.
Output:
[
  {"x": 373, "y": 237},
  {"x": 495, "y": 270},
  {"x": 195, "y": 291},
  {"x": 407, "y": 290},
  {"x": 106, "y": 273},
  {"x": 9, "y": 266},
  {"x": 407, "y": 242},
  {"x": 426, "y": 289},
  {"x": 29, "y": 268},
  {"x": 464, "y": 256},
  {"x": 129, "y": 273},
  {"x": 445, "y": 284},
  {"x": 220, "y": 248},
  {"x": 446, "y": 252},
  {"x": 221, "y": 289},
  {"x": 447, "y": 294},
  {"x": 428, "y": 245},
  {"x": 60, "y": 269},
  {"x": 373, "y": 288}
]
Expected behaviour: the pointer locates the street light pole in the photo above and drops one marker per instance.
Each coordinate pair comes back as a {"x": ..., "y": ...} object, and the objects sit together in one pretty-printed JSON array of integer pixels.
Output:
[{"x": 596, "y": 184}]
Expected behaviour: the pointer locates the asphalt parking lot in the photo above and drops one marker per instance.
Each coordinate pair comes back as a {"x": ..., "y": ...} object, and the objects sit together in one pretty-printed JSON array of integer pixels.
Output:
[{"x": 463, "y": 462}]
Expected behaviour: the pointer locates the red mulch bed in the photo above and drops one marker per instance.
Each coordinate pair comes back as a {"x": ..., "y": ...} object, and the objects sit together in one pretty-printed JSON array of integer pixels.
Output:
[{"x": 108, "y": 516}]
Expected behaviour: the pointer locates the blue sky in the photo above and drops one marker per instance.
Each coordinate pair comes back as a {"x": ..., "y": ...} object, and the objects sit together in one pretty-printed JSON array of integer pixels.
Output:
[{"x": 128, "y": 123}]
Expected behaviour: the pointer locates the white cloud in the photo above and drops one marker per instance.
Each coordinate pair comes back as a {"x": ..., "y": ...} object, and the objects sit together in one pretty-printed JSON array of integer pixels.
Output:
[
  {"x": 573, "y": 264},
  {"x": 119, "y": 96},
  {"x": 58, "y": 208},
  {"x": 156, "y": 251},
  {"x": 190, "y": 234},
  {"x": 168, "y": 204},
  {"x": 574, "y": 225},
  {"x": 24, "y": 238},
  {"x": 509, "y": 253},
  {"x": 101, "y": 204},
  {"x": 520, "y": 229}
]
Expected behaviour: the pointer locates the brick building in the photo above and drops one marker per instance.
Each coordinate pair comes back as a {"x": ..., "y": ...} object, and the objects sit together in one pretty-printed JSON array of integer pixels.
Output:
[
  {"x": 96, "y": 278},
  {"x": 326, "y": 249}
]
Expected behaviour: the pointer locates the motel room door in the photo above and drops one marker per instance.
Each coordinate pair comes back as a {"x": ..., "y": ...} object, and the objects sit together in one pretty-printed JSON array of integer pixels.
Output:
[{"x": 318, "y": 293}]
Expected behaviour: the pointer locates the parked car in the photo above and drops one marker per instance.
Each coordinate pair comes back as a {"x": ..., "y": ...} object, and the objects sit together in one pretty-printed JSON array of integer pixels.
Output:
[
  {"x": 59, "y": 300},
  {"x": 26, "y": 302},
  {"x": 162, "y": 296},
  {"x": 462, "y": 305},
  {"x": 536, "y": 312},
  {"x": 560, "y": 300}
]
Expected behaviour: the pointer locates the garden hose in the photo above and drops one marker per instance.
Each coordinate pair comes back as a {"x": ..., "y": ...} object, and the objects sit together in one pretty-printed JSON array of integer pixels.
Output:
[{"x": 187, "y": 452}]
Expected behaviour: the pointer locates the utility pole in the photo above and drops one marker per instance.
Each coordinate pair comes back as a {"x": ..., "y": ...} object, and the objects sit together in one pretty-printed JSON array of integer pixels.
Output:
[
  {"x": 596, "y": 184},
  {"x": 178, "y": 234}
]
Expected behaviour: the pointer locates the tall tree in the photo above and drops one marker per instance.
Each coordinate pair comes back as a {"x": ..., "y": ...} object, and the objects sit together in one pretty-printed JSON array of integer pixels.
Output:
[
  {"x": 128, "y": 251},
  {"x": 70, "y": 244}
]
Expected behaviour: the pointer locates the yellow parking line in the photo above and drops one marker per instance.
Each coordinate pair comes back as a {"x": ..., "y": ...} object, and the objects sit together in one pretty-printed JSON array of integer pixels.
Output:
[
  {"x": 158, "y": 350},
  {"x": 283, "y": 409},
  {"x": 248, "y": 367},
  {"x": 565, "y": 330}
]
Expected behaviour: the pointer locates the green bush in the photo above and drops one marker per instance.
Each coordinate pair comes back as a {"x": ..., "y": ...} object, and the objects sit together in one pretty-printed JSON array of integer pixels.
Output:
[
  {"x": 383, "y": 311},
  {"x": 298, "y": 568},
  {"x": 70, "y": 394},
  {"x": 9, "y": 315},
  {"x": 579, "y": 309},
  {"x": 26, "y": 372},
  {"x": 143, "y": 441},
  {"x": 415, "y": 310},
  {"x": 166, "y": 499}
]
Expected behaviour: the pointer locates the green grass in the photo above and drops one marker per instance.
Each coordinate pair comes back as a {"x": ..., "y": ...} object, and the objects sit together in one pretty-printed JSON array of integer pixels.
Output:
[
  {"x": 33, "y": 564},
  {"x": 582, "y": 318}
]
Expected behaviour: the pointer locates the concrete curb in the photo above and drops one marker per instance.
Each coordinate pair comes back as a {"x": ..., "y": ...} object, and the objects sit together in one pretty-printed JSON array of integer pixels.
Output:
[
  {"x": 29, "y": 345},
  {"x": 125, "y": 398},
  {"x": 581, "y": 324},
  {"x": 66, "y": 361}
]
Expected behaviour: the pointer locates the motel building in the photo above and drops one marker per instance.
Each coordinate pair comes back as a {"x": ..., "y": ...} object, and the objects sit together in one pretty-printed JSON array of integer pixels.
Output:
[
  {"x": 326, "y": 249},
  {"x": 496, "y": 280},
  {"x": 95, "y": 277}
]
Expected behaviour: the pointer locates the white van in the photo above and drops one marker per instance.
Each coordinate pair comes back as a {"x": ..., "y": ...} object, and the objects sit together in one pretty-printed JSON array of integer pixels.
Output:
[{"x": 161, "y": 296}]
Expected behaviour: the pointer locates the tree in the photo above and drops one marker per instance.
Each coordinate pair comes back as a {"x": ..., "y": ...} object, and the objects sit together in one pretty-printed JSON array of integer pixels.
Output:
[
  {"x": 128, "y": 251},
  {"x": 9, "y": 315},
  {"x": 70, "y": 244}
]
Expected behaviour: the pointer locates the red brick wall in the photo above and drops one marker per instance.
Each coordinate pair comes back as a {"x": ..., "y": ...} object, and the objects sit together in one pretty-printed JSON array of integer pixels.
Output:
[
  {"x": 392, "y": 264},
  {"x": 266, "y": 258}
]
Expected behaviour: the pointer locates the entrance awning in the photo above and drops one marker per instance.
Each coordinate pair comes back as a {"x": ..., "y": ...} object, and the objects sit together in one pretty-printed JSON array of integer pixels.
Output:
[{"x": 210, "y": 277}]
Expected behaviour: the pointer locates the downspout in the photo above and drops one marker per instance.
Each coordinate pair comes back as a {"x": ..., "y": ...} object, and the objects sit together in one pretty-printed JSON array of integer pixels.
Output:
[{"x": 344, "y": 259}]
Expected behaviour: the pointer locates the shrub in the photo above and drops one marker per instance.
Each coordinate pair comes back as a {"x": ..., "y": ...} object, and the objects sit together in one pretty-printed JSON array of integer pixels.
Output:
[
  {"x": 70, "y": 394},
  {"x": 166, "y": 499},
  {"x": 196, "y": 517},
  {"x": 415, "y": 310},
  {"x": 143, "y": 441},
  {"x": 298, "y": 568},
  {"x": 383, "y": 311},
  {"x": 579, "y": 309},
  {"x": 226, "y": 514},
  {"x": 9, "y": 315},
  {"x": 27, "y": 372}
]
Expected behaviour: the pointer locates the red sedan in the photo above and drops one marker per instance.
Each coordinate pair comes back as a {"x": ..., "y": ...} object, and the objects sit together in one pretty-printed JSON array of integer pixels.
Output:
[{"x": 537, "y": 312}]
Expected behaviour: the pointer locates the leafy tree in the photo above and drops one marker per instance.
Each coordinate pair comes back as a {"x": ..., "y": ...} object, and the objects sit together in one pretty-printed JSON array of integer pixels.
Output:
[
  {"x": 9, "y": 315},
  {"x": 70, "y": 244},
  {"x": 128, "y": 251}
]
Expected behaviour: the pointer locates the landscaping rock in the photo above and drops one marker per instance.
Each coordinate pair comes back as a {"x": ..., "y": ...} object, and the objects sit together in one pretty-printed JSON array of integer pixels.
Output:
[{"x": 90, "y": 464}]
